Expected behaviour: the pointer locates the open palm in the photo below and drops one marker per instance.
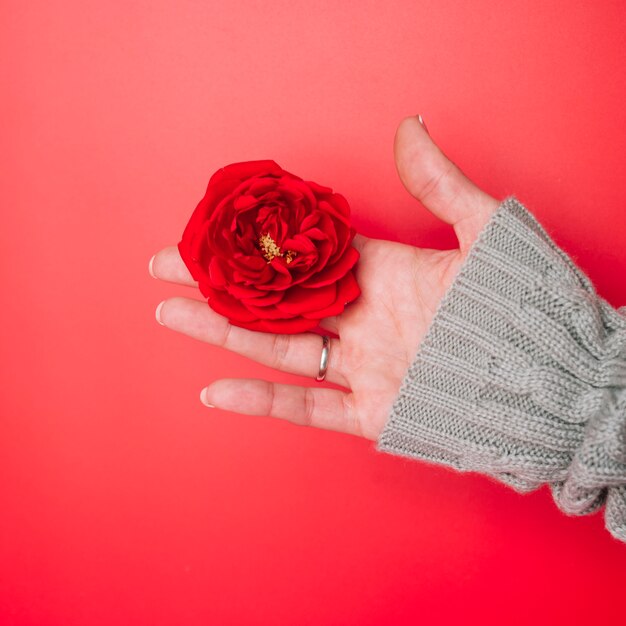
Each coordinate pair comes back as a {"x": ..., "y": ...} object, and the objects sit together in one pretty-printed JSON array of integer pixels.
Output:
[{"x": 379, "y": 334}]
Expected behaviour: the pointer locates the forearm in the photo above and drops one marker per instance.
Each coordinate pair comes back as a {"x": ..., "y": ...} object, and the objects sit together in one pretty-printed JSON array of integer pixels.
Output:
[{"x": 522, "y": 374}]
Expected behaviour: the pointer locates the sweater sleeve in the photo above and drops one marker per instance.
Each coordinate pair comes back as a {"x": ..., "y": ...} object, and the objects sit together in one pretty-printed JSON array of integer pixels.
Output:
[{"x": 521, "y": 375}]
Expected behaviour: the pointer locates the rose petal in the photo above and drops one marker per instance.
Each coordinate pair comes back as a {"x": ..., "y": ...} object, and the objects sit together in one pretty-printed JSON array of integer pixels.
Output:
[
  {"x": 282, "y": 278},
  {"x": 298, "y": 188},
  {"x": 332, "y": 273},
  {"x": 299, "y": 300},
  {"x": 328, "y": 208},
  {"x": 344, "y": 239},
  {"x": 347, "y": 291},
  {"x": 247, "y": 169},
  {"x": 299, "y": 243},
  {"x": 315, "y": 233},
  {"x": 319, "y": 189},
  {"x": 267, "y": 299},
  {"x": 309, "y": 221},
  {"x": 224, "y": 304},
  {"x": 244, "y": 291},
  {"x": 340, "y": 204},
  {"x": 261, "y": 277},
  {"x": 288, "y": 326},
  {"x": 248, "y": 263},
  {"x": 244, "y": 202},
  {"x": 270, "y": 312},
  {"x": 216, "y": 272},
  {"x": 195, "y": 254},
  {"x": 260, "y": 186}
]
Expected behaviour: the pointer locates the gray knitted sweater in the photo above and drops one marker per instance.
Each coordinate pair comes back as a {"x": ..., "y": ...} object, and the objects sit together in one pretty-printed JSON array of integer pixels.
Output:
[{"x": 522, "y": 375}]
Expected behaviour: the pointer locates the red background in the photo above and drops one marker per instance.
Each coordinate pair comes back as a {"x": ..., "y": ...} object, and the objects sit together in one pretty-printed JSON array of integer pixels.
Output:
[{"x": 125, "y": 501}]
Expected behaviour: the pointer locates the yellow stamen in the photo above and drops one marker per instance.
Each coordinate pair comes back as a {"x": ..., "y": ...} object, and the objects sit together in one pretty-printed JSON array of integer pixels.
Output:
[{"x": 270, "y": 249}]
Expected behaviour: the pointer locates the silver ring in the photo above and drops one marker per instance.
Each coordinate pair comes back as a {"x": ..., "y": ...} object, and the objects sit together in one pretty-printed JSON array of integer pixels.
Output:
[{"x": 324, "y": 358}]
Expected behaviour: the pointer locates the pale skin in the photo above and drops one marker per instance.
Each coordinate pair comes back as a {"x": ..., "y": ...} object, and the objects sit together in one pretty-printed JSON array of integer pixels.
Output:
[{"x": 379, "y": 334}]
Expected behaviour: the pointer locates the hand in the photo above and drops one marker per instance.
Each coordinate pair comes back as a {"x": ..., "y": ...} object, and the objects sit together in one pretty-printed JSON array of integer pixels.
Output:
[{"x": 379, "y": 334}]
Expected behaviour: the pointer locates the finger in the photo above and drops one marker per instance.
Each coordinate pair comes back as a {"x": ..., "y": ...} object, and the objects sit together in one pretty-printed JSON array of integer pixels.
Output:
[
  {"x": 330, "y": 409},
  {"x": 297, "y": 354},
  {"x": 168, "y": 265},
  {"x": 439, "y": 184}
]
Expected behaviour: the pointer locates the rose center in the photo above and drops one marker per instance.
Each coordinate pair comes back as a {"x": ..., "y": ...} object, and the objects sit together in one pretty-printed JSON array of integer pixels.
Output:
[{"x": 270, "y": 250}]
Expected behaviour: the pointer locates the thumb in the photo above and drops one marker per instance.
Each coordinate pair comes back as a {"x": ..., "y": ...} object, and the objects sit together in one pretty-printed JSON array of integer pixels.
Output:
[{"x": 439, "y": 184}]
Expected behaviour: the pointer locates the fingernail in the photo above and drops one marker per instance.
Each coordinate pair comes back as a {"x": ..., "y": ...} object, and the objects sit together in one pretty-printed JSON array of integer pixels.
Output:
[
  {"x": 421, "y": 121},
  {"x": 204, "y": 398},
  {"x": 158, "y": 313},
  {"x": 150, "y": 266}
]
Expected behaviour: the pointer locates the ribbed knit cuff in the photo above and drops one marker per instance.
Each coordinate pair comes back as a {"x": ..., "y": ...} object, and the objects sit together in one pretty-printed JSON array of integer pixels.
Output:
[{"x": 521, "y": 374}]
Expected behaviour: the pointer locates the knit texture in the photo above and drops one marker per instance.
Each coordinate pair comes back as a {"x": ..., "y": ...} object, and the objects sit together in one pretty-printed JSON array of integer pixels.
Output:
[{"x": 521, "y": 375}]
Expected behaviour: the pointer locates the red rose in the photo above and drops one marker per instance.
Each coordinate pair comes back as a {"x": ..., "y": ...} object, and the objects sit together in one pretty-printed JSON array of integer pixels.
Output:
[{"x": 271, "y": 251}]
